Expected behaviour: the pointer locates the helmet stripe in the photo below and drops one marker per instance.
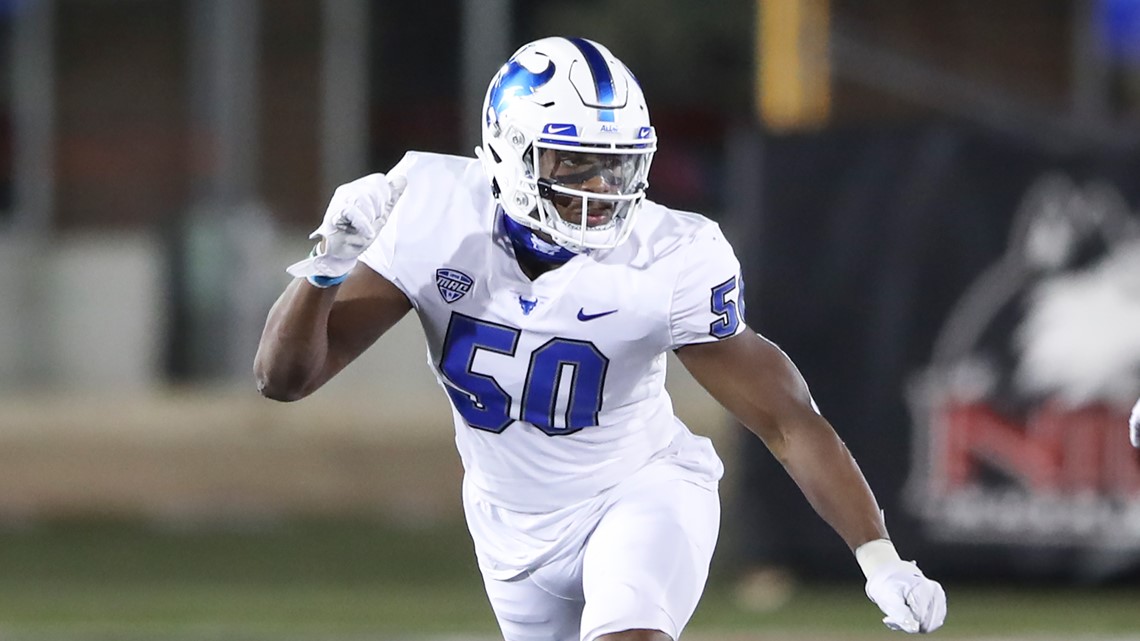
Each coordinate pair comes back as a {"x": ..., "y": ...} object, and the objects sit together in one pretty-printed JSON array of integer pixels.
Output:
[{"x": 603, "y": 79}]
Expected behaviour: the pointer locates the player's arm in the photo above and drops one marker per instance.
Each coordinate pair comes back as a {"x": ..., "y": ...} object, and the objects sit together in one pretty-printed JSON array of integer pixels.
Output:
[
  {"x": 335, "y": 309},
  {"x": 313, "y": 332},
  {"x": 763, "y": 389}
]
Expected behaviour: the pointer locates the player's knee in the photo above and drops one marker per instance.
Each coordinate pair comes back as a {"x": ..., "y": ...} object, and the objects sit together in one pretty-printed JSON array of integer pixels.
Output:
[
  {"x": 619, "y": 612},
  {"x": 636, "y": 635}
]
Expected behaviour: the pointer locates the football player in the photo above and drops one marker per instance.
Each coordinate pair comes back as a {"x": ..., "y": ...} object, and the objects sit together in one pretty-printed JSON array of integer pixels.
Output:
[{"x": 550, "y": 291}]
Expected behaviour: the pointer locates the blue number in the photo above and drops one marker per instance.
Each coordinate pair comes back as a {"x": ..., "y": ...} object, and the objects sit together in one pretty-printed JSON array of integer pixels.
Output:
[
  {"x": 485, "y": 405},
  {"x": 478, "y": 397},
  {"x": 586, "y": 367},
  {"x": 728, "y": 316}
]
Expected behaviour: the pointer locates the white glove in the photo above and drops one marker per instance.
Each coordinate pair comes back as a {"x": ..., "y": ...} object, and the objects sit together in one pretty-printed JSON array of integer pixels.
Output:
[
  {"x": 355, "y": 215},
  {"x": 912, "y": 602},
  {"x": 1134, "y": 425}
]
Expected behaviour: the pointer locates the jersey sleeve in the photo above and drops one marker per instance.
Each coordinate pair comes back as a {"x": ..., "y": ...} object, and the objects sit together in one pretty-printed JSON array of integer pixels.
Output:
[{"x": 708, "y": 302}]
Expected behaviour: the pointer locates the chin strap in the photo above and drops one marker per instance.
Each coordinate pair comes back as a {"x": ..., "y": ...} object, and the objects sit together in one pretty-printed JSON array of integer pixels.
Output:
[{"x": 527, "y": 242}]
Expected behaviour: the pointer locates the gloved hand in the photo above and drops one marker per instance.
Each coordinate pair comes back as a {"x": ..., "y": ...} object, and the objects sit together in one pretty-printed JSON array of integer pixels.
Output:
[
  {"x": 1134, "y": 425},
  {"x": 355, "y": 215},
  {"x": 912, "y": 602}
]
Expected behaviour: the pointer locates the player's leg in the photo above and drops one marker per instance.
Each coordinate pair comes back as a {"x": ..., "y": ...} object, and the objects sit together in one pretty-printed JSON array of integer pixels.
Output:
[
  {"x": 646, "y": 564},
  {"x": 526, "y": 612}
]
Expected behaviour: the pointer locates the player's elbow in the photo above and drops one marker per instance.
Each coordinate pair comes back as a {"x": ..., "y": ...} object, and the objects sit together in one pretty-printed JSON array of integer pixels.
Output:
[
  {"x": 277, "y": 392},
  {"x": 280, "y": 386},
  {"x": 777, "y": 443}
]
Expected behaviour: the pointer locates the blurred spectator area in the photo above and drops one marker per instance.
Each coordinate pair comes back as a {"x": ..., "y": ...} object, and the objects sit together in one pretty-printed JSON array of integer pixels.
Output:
[
  {"x": 129, "y": 149},
  {"x": 1020, "y": 49}
]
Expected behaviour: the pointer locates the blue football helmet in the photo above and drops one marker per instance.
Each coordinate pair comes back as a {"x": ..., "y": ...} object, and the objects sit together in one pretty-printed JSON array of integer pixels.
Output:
[{"x": 567, "y": 142}]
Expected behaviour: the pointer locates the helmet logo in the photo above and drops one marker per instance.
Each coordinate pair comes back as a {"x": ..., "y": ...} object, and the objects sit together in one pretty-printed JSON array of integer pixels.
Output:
[
  {"x": 516, "y": 81},
  {"x": 560, "y": 129}
]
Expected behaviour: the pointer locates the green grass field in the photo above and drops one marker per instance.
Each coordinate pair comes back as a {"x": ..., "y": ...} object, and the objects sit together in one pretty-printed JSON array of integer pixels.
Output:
[{"x": 362, "y": 581}]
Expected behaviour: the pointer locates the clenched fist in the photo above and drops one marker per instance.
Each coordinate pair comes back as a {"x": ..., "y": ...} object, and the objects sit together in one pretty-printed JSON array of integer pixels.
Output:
[{"x": 355, "y": 215}]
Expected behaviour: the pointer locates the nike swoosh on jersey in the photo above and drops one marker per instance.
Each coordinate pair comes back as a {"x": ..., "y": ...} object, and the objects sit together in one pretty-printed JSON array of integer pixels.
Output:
[{"x": 583, "y": 316}]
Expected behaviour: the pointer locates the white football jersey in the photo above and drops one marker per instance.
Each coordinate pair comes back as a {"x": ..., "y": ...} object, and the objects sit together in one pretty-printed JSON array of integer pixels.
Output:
[{"x": 557, "y": 385}]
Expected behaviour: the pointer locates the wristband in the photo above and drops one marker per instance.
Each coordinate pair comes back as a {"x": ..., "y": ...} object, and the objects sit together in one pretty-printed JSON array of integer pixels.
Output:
[
  {"x": 874, "y": 554},
  {"x": 326, "y": 281}
]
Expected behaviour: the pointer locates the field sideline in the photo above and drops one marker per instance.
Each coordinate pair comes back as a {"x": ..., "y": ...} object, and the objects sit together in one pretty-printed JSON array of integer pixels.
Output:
[{"x": 368, "y": 581}]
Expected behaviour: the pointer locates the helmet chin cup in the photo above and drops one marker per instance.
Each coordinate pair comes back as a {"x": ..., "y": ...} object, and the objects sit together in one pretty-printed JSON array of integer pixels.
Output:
[{"x": 568, "y": 96}]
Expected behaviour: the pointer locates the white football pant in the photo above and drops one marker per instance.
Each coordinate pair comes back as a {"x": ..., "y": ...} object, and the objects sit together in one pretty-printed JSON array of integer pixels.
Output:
[{"x": 637, "y": 558}]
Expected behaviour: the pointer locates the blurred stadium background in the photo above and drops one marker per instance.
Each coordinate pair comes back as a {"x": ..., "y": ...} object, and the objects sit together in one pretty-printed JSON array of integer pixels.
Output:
[{"x": 935, "y": 204}]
